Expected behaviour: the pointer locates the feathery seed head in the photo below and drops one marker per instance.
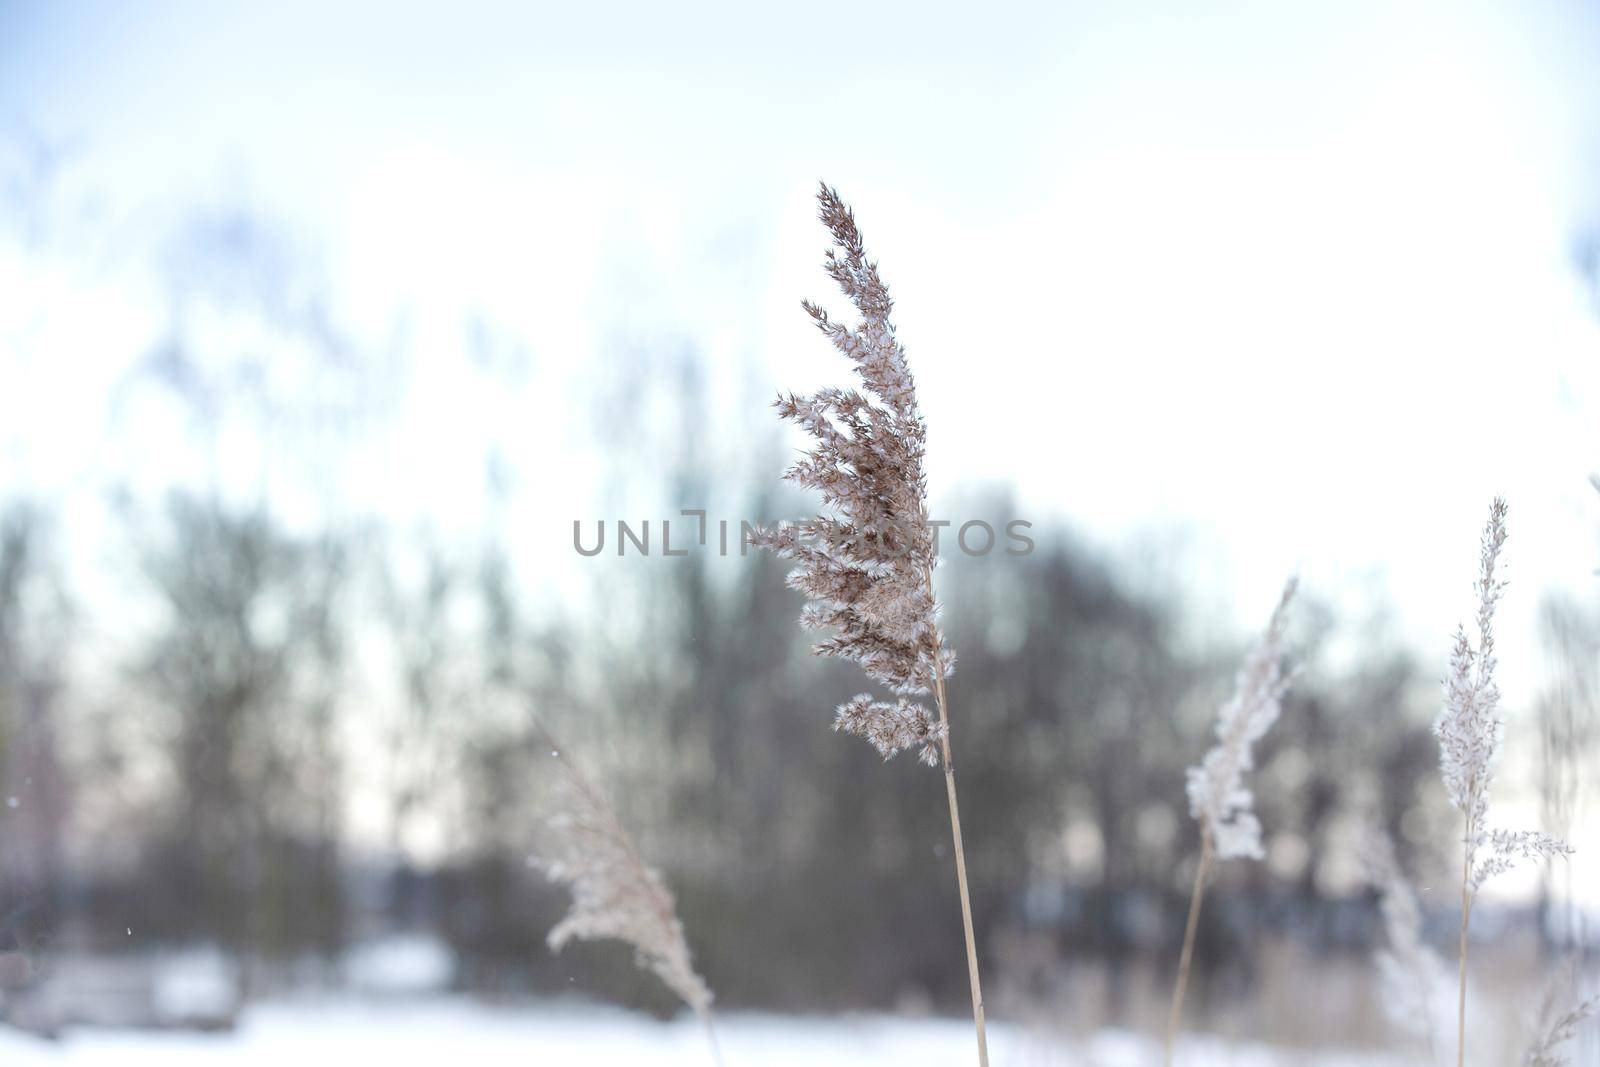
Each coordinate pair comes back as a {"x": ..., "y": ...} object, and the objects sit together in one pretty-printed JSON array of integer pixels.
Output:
[
  {"x": 866, "y": 568},
  {"x": 615, "y": 894},
  {"x": 1468, "y": 727},
  {"x": 892, "y": 728},
  {"x": 1217, "y": 795},
  {"x": 1507, "y": 847},
  {"x": 1555, "y": 1027}
]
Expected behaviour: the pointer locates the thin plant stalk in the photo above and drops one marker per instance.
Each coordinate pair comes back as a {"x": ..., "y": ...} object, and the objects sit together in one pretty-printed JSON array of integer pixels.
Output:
[
  {"x": 711, "y": 1037},
  {"x": 1207, "y": 854},
  {"x": 1461, "y": 965},
  {"x": 961, "y": 858}
]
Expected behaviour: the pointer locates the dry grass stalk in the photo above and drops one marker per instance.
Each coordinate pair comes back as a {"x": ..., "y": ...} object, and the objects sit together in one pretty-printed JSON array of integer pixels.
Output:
[
  {"x": 1218, "y": 798},
  {"x": 1468, "y": 728},
  {"x": 867, "y": 568},
  {"x": 615, "y": 894}
]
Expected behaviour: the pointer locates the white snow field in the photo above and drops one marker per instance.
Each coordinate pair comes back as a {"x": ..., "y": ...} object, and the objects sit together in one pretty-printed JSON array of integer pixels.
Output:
[{"x": 436, "y": 1031}]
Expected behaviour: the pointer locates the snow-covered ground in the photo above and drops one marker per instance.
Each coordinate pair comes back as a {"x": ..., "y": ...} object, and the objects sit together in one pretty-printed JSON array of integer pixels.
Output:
[{"x": 402, "y": 1033}]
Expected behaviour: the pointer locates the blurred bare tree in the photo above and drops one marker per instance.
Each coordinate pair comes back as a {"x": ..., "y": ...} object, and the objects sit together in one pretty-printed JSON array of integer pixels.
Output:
[
  {"x": 36, "y": 626},
  {"x": 246, "y": 666}
]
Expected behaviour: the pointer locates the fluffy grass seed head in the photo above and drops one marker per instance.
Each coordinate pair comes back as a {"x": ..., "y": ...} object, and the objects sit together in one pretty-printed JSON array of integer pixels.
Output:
[
  {"x": 1469, "y": 727},
  {"x": 1218, "y": 797},
  {"x": 865, "y": 565},
  {"x": 615, "y": 894}
]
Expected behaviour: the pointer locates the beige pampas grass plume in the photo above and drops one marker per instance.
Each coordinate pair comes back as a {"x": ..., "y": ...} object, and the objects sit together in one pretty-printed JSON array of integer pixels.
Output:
[
  {"x": 1469, "y": 729},
  {"x": 866, "y": 567},
  {"x": 616, "y": 895},
  {"x": 1218, "y": 797}
]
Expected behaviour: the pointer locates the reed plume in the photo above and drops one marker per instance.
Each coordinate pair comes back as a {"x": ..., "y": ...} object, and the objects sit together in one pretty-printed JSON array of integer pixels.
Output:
[
  {"x": 616, "y": 895},
  {"x": 1218, "y": 798},
  {"x": 1411, "y": 975},
  {"x": 1555, "y": 1027},
  {"x": 866, "y": 567},
  {"x": 1469, "y": 728}
]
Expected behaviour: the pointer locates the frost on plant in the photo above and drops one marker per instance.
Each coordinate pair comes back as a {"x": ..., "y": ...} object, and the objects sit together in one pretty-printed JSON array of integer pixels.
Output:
[
  {"x": 1468, "y": 727},
  {"x": 891, "y": 728},
  {"x": 865, "y": 567},
  {"x": 1217, "y": 794},
  {"x": 1506, "y": 847}
]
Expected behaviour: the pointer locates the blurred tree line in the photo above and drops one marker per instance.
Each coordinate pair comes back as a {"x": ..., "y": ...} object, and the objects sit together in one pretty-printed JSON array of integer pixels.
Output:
[{"x": 809, "y": 874}]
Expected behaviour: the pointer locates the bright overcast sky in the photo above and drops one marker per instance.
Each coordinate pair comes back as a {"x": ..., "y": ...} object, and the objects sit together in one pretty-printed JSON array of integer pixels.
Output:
[{"x": 1298, "y": 275}]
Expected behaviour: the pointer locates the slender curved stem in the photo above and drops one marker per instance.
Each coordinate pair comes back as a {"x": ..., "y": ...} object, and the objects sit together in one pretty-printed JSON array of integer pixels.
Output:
[
  {"x": 1207, "y": 854},
  {"x": 961, "y": 879},
  {"x": 711, "y": 1038},
  {"x": 961, "y": 852},
  {"x": 1461, "y": 958}
]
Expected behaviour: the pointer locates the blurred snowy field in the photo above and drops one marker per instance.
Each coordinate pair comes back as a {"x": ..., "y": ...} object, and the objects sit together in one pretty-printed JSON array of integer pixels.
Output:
[{"x": 399, "y": 1033}]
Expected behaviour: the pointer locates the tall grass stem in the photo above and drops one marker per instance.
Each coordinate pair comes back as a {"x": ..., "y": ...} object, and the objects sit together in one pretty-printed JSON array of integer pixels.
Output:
[
  {"x": 961, "y": 868},
  {"x": 1207, "y": 854}
]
